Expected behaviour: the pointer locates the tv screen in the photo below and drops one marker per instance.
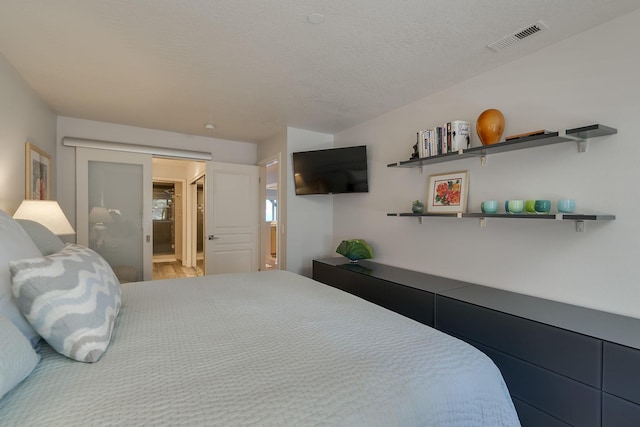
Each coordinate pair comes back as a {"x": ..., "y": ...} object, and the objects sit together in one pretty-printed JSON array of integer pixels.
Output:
[{"x": 331, "y": 171}]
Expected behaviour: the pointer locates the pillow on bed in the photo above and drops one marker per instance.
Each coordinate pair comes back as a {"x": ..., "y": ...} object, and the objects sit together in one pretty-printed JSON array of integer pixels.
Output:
[
  {"x": 17, "y": 358},
  {"x": 71, "y": 298},
  {"x": 45, "y": 240},
  {"x": 14, "y": 244}
]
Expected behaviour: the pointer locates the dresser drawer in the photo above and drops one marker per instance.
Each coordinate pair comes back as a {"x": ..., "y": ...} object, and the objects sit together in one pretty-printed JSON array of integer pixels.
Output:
[
  {"x": 570, "y": 401},
  {"x": 621, "y": 375},
  {"x": 619, "y": 413},
  {"x": 567, "y": 353},
  {"x": 337, "y": 277},
  {"x": 410, "y": 302},
  {"x": 532, "y": 417}
]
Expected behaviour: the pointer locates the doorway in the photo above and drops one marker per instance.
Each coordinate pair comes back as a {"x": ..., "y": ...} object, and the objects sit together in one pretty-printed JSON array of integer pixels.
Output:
[
  {"x": 173, "y": 223},
  {"x": 221, "y": 211},
  {"x": 114, "y": 192},
  {"x": 229, "y": 210},
  {"x": 270, "y": 218},
  {"x": 163, "y": 209},
  {"x": 200, "y": 215}
]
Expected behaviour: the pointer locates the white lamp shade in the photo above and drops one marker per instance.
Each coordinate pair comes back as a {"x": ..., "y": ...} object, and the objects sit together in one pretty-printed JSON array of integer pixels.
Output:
[{"x": 47, "y": 213}]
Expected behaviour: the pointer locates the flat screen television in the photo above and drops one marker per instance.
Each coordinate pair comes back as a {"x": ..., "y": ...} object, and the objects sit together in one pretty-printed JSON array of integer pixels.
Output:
[{"x": 331, "y": 171}]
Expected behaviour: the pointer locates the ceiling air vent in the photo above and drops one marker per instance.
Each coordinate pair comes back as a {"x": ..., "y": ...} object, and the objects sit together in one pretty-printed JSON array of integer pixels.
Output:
[{"x": 516, "y": 36}]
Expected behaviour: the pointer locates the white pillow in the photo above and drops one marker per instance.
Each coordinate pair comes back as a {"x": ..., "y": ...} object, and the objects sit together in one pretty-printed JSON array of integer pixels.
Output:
[
  {"x": 45, "y": 240},
  {"x": 71, "y": 298},
  {"x": 15, "y": 244},
  {"x": 17, "y": 358}
]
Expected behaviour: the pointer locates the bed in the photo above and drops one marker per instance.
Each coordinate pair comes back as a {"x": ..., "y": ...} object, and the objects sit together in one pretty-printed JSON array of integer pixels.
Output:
[{"x": 266, "y": 348}]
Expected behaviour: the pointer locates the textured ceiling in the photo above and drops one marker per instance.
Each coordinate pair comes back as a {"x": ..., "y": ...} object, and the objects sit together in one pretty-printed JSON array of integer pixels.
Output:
[{"x": 252, "y": 67}]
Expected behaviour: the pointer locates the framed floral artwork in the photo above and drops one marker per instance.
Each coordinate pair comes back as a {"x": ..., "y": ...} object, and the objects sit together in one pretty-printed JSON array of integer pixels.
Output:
[
  {"x": 447, "y": 192},
  {"x": 38, "y": 174}
]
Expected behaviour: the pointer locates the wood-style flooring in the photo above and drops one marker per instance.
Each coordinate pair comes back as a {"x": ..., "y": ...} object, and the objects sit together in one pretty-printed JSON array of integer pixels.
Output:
[{"x": 174, "y": 270}]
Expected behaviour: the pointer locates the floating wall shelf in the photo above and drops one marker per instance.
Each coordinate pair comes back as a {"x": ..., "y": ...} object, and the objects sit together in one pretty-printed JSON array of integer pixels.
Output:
[
  {"x": 580, "y": 135},
  {"x": 579, "y": 218},
  {"x": 554, "y": 216}
]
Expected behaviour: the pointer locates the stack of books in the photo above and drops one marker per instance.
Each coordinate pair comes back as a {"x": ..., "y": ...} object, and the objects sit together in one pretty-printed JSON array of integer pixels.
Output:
[{"x": 451, "y": 137}]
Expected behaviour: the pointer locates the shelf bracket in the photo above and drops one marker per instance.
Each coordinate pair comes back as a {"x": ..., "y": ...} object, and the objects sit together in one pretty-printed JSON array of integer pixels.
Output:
[
  {"x": 583, "y": 144},
  {"x": 483, "y": 161},
  {"x": 419, "y": 220},
  {"x": 580, "y": 225},
  {"x": 483, "y": 222}
]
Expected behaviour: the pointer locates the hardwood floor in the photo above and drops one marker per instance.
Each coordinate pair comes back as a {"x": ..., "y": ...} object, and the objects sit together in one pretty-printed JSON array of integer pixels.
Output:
[{"x": 173, "y": 270}]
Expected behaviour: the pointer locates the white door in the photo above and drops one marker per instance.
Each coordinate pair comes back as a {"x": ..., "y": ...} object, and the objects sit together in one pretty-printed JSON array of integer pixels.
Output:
[
  {"x": 232, "y": 218},
  {"x": 113, "y": 209}
]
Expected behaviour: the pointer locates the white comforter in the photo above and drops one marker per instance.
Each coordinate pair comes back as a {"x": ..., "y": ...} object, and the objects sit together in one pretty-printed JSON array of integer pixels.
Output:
[{"x": 269, "y": 348}]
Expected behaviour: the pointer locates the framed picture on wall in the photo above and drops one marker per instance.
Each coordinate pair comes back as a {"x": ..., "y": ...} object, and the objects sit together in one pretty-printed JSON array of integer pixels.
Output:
[
  {"x": 38, "y": 170},
  {"x": 447, "y": 193}
]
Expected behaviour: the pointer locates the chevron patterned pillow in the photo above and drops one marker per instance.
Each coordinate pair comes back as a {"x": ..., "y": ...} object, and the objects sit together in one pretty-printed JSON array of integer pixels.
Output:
[{"x": 71, "y": 298}]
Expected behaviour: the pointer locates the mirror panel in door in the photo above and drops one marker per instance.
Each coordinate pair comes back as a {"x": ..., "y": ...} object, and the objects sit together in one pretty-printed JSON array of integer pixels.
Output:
[
  {"x": 115, "y": 216},
  {"x": 122, "y": 183}
]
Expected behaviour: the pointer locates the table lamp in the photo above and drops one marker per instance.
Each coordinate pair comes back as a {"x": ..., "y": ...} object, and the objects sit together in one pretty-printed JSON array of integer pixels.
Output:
[{"x": 47, "y": 213}]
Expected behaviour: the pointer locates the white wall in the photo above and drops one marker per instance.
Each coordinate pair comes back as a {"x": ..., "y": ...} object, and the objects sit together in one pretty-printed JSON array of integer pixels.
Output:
[
  {"x": 222, "y": 150},
  {"x": 23, "y": 117},
  {"x": 310, "y": 218},
  {"x": 169, "y": 169},
  {"x": 590, "y": 78}
]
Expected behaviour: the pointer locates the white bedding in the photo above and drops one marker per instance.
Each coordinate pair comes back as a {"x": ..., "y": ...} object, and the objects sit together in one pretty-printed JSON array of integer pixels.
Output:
[{"x": 268, "y": 348}]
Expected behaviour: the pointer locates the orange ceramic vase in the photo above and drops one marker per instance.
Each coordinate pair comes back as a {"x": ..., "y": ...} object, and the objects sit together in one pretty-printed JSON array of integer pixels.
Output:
[{"x": 490, "y": 126}]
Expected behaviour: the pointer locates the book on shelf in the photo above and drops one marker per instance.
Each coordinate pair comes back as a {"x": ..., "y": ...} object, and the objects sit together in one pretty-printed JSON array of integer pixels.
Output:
[
  {"x": 527, "y": 134},
  {"x": 429, "y": 142},
  {"x": 423, "y": 148},
  {"x": 433, "y": 143},
  {"x": 460, "y": 139},
  {"x": 443, "y": 131},
  {"x": 440, "y": 141}
]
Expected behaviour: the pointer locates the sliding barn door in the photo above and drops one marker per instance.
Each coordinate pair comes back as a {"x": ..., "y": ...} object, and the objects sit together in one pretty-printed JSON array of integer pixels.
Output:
[
  {"x": 232, "y": 218},
  {"x": 113, "y": 197}
]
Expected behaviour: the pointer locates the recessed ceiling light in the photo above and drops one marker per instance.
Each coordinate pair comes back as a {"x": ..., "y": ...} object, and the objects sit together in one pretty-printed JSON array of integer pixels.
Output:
[
  {"x": 315, "y": 18},
  {"x": 210, "y": 127}
]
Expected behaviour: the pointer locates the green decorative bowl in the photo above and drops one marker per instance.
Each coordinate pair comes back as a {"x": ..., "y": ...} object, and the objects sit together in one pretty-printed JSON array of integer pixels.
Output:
[{"x": 355, "y": 249}]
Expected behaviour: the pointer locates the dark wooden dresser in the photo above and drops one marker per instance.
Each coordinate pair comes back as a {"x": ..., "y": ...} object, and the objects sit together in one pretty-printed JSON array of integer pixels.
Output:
[{"x": 564, "y": 365}]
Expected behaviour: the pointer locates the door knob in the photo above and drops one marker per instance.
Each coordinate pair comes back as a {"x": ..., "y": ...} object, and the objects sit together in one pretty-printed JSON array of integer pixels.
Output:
[{"x": 212, "y": 237}]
